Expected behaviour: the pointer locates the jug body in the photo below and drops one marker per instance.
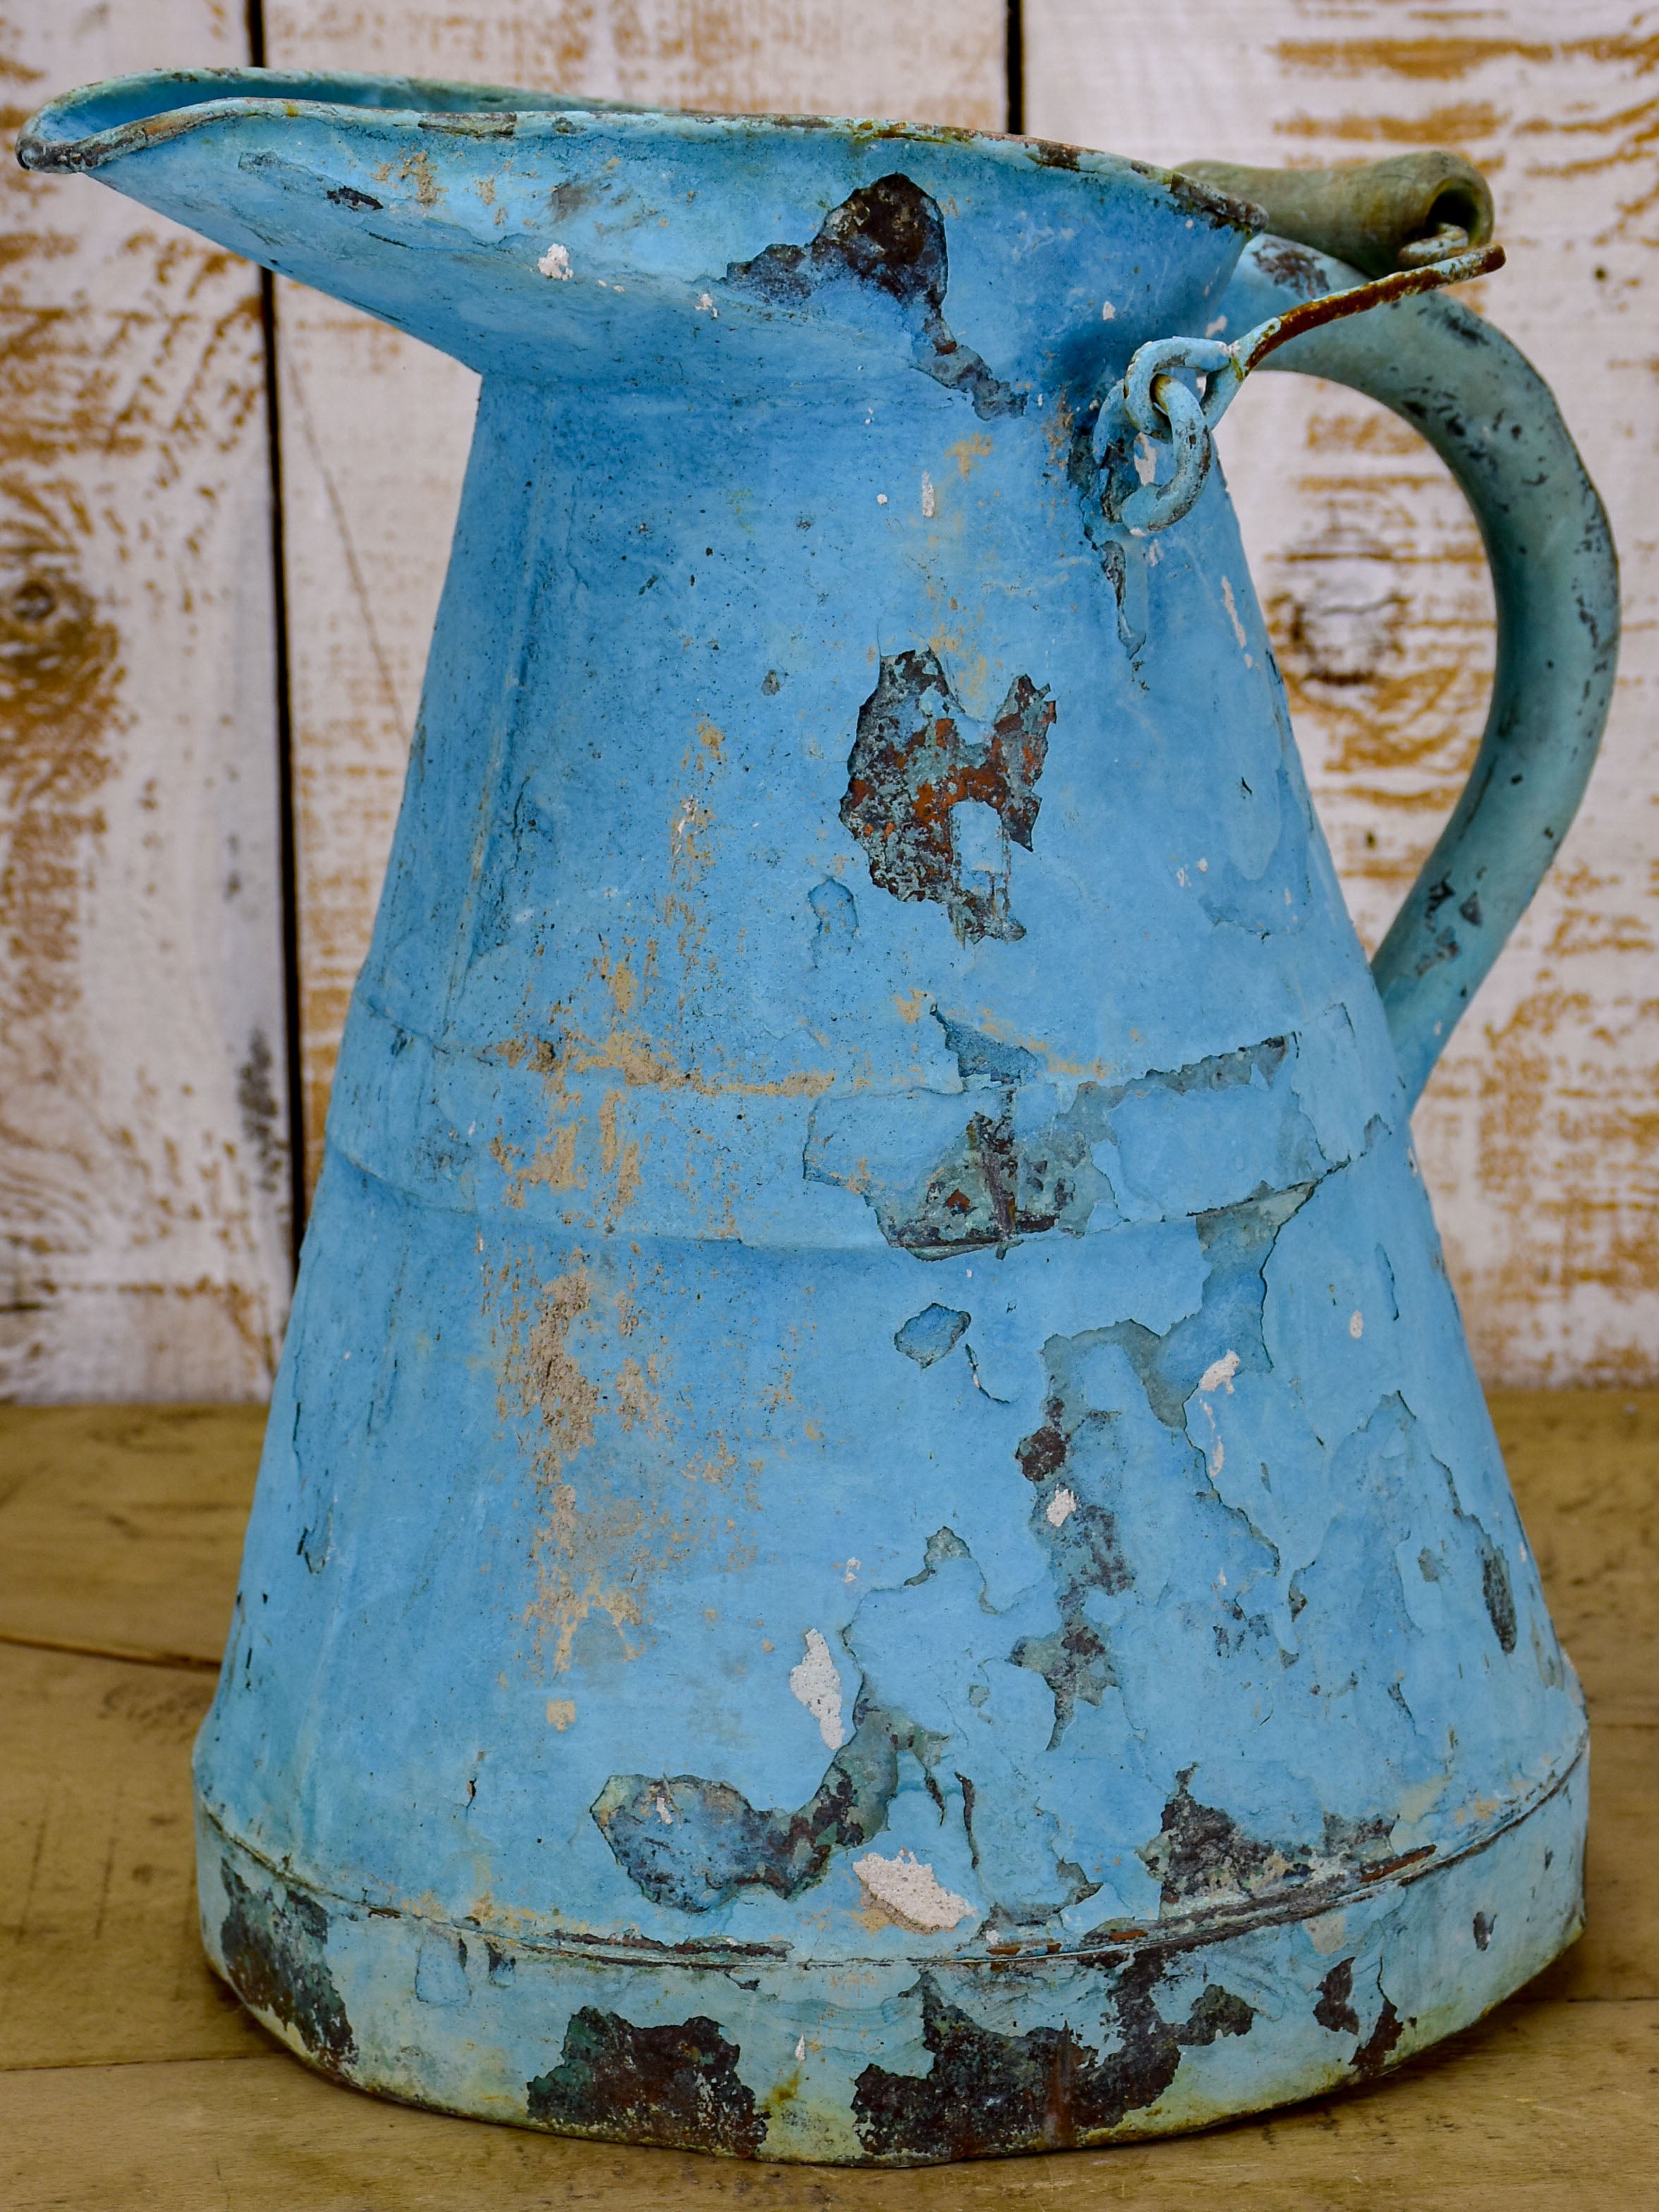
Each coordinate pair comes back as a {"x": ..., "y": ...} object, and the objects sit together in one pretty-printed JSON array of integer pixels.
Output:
[
  {"x": 876, "y": 1540},
  {"x": 867, "y": 1404}
]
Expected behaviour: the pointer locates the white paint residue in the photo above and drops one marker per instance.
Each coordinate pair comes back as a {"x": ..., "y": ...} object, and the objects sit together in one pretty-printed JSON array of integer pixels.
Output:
[
  {"x": 1219, "y": 1372},
  {"x": 881, "y": 498},
  {"x": 908, "y": 1891},
  {"x": 663, "y": 1804},
  {"x": 705, "y": 306},
  {"x": 852, "y": 1574},
  {"x": 929, "y": 498},
  {"x": 555, "y": 262},
  {"x": 800, "y": 2051},
  {"x": 1232, "y": 611},
  {"x": 1218, "y": 1457},
  {"x": 1356, "y": 1323},
  {"x": 1108, "y": 312},
  {"x": 1061, "y": 1508},
  {"x": 1214, "y": 329},
  {"x": 816, "y": 1683},
  {"x": 1146, "y": 459}
]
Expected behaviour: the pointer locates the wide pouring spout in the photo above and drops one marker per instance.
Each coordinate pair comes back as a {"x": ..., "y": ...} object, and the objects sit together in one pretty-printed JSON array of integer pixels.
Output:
[{"x": 542, "y": 236}]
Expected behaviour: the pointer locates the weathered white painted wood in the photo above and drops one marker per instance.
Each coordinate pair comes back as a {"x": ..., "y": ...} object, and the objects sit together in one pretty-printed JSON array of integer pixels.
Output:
[
  {"x": 143, "y": 1172},
  {"x": 375, "y": 427},
  {"x": 1539, "y": 1134}
]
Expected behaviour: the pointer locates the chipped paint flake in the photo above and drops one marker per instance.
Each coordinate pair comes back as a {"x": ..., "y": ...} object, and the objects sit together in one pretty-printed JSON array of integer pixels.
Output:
[
  {"x": 555, "y": 262},
  {"x": 908, "y": 1892},
  {"x": 1238, "y": 626},
  {"x": 816, "y": 1682},
  {"x": 1220, "y": 1374},
  {"x": 1061, "y": 1507}
]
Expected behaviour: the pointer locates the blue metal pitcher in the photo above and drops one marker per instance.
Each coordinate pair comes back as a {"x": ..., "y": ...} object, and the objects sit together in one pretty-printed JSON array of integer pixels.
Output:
[{"x": 876, "y": 1540}]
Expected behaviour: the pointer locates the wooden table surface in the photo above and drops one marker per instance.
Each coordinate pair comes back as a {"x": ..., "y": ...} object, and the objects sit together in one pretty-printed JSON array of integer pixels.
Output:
[{"x": 129, "y": 2078}]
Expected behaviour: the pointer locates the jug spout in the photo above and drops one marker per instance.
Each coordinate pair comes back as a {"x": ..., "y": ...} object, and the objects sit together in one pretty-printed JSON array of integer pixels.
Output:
[
  {"x": 315, "y": 174},
  {"x": 537, "y": 236}
]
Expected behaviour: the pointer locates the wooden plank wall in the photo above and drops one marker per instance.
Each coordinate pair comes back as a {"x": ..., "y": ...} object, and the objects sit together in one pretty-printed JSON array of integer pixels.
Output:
[
  {"x": 143, "y": 1173},
  {"x": 1539, "y": 1132},
  {"x": 143, "y": 1177}
]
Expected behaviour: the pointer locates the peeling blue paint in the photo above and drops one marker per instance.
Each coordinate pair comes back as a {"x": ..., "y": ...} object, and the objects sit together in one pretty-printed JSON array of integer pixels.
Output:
[
  {"x": 929, "y": 1334},
  {"x": 853, "y": 901}
]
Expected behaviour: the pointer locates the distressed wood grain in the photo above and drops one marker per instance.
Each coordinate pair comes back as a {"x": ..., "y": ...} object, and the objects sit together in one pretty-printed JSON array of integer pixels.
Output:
[
  {"x": 101, "y": 1961},
  {"x": 1534, "y": 2110},
  {"x": 375, "y": 427},
  {"x": 1539, "y": 1132},
  {"x": 143, "y": 1174},
  {"x": 121, "y": 1527}
]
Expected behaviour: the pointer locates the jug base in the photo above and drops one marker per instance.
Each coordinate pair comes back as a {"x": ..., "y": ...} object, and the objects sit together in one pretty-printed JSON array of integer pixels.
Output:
[{"x": 901, "y": 2062}]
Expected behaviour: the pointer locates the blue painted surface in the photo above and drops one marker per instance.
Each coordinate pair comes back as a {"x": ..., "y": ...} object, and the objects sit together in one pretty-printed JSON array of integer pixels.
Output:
[{"x": 877, "y": 1539}]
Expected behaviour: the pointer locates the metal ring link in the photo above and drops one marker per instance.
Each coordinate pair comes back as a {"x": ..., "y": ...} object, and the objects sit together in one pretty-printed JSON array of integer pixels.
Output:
[
  {"x": 1143, "y": 401},
  {"x": 1155, "y": 506}
]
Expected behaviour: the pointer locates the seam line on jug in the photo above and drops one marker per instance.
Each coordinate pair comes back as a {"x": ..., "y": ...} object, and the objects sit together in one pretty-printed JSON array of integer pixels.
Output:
[{"x": 720, "y": 1956}]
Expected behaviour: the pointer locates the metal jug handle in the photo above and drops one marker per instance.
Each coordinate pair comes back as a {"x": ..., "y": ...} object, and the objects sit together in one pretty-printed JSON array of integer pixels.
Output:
[{"x": 1494, "y": 421}]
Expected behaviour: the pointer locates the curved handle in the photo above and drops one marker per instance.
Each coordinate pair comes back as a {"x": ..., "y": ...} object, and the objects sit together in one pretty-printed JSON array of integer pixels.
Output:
[{"x": 1494, "y": 421}]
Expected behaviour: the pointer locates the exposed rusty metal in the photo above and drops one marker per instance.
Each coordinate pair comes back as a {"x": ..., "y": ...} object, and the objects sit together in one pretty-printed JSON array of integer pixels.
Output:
[
  {"x": 915, "y": 760},
  {"x": 678, "y": 2085},
  {"x": 889, "y": 234},
  {"x": 1458, "y": 267}
]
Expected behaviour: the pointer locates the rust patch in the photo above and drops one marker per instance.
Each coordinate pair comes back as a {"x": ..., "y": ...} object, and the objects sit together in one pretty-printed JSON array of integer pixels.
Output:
[
  {"x": 1334, "y": 2010},
  {"x": 915, "y": 760},
  {"x": 1086, "y": 1553},
  {"x": 274, "y": 1951},
  {"x": 601, "y": 1536},
  {"x": 1373, "y": 2054},
  {"x": 890, "y": 234},
  {"x": 676, "y": 2086},
  {"x": 1051, "y": 153},
  {"x": 1496, "y": 1589},
  {"x": 1045, "y": 2090},
  {"x": 571, "y": 1548},
  {"x": 1284, "y": 263},
  {"x": 1221, "y": 210},
  {"x": 1201, "y": 1853}
]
